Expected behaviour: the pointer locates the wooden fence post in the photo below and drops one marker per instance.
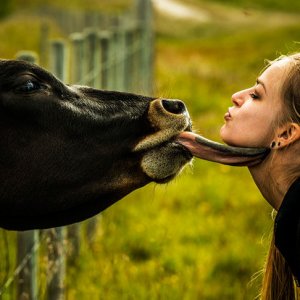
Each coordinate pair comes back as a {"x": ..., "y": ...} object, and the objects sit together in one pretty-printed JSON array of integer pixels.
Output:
[
  {"x": 27, "y": 279},
  {"x": 120, "y": 56},
  {"x": 106, "y": 62},
  {"x": 113, "y": 59},
  {"x": 137, "y": 67},
  {"x": 43, "y": 47},
  {"x": 58, "y": 61},
  {"x": 77, "y": 77},
  {"x": 144, "y": 16},
  {"x": 92, "y": 56},
  {"x": 56, "y": 253},
  {"x": 92, "y": 73},
  {"x": 78, "y": 68},
  {"x": 131, "y": 63},
  {"x": 26, "y": 240},
  {"x": 28, "y": 56},
  {"x": 27, "y": 287}
]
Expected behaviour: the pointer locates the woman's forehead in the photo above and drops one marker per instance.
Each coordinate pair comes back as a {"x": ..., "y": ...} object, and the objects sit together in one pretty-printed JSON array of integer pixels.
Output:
[
  {"x": 273, "y": 79},
  {"x": 283, "y": 62},
  {"x": 277, "y": 71}
]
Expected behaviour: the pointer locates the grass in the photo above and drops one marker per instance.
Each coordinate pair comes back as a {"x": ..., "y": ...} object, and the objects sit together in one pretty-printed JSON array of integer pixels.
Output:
[
  {"x": 204, "y": 235},
  {"x": 200, "y": 237}
]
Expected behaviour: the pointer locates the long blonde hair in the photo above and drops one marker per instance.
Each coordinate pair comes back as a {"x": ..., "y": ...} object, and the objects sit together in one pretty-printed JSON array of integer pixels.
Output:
[{"x": 278, "y": 282}]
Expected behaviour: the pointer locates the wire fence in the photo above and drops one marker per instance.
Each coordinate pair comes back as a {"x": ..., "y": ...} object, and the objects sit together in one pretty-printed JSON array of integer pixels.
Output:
[{"x": 115, "y": 55}]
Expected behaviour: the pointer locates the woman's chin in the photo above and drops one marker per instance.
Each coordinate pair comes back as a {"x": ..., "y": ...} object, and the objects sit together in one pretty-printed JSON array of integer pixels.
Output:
[
  {"x": 238, "y": 138},
  {"x": 225, "y": 136},
  {"x": 229, "y": 139}
]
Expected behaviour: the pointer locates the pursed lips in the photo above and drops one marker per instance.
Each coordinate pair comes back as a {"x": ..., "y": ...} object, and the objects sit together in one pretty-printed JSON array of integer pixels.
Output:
[{"x": 227, "y": 115}]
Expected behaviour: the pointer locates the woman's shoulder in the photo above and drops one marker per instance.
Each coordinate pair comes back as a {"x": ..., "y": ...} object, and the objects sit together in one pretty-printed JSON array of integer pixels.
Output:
[
  {"x": 291, "y": 201},
  {"x": 294, "y": 189},
  {"x": 287, "y": 228}
]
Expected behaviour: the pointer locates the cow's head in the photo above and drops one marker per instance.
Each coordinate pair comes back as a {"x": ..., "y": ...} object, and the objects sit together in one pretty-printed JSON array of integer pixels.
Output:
[{"x": 68, "y": 152}]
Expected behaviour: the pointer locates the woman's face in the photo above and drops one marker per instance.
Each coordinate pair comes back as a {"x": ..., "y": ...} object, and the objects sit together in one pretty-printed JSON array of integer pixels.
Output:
[{"x": 250, "y": 121}]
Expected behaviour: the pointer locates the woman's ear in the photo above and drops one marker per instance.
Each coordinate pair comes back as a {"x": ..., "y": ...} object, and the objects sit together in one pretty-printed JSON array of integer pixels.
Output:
[{"x": 286, "y": 135}]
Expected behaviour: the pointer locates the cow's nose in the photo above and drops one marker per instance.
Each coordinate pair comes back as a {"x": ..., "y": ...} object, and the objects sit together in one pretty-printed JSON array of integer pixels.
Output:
[
  {"x": 169, "y": 114},
  {"x": 174, "y": 106},
  {"x": 168, "y": 118}
]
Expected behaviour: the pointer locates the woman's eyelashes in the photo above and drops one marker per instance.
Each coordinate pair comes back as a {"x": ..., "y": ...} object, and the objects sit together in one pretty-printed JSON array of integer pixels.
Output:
[{"x": 254, "y": 96}]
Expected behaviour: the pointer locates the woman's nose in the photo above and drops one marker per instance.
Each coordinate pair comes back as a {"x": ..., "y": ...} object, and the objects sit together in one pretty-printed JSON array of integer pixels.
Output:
[{"x": 238, "y": 99}]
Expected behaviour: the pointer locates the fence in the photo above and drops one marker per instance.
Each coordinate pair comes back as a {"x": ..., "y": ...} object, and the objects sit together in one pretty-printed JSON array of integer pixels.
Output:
[{"x": 115, "y": 54}]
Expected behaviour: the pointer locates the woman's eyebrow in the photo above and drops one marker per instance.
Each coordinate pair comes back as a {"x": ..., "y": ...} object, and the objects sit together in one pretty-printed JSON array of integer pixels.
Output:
[{"x": 258, "y": 81}]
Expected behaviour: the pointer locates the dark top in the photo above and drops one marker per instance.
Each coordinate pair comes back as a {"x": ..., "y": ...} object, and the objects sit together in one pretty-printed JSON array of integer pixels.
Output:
[{"x": 287, "y": 229}]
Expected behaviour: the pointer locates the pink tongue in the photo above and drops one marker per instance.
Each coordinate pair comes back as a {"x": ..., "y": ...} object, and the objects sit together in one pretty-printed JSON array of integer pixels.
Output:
[{"x": 206, "y": 149}]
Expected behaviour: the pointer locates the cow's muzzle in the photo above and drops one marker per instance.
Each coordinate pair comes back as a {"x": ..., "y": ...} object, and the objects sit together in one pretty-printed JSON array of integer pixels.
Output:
[{"x": 168, "y": 118}]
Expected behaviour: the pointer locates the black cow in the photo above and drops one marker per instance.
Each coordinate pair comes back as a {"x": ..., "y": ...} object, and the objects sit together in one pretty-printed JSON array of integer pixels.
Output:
[{"x": 68, "y": 152}]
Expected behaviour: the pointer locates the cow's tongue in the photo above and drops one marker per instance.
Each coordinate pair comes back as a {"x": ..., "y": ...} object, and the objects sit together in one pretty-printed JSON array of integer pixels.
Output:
[{"x": 206, "y": 149}]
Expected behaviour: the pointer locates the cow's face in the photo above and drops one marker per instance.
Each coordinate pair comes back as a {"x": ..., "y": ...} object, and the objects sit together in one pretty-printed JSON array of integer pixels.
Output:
[{"x": 68, "y": 152}]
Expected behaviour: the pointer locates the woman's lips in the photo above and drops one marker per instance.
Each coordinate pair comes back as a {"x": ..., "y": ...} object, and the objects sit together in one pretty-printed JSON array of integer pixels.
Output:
[{"x": 227, "y": 116}]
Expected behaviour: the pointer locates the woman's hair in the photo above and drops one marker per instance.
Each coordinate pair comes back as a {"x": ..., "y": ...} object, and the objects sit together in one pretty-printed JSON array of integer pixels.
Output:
[
  {"x": 291, "y": 90},
  {"x": 290, "y": 94},
  {"x": 278, "y": 282}
]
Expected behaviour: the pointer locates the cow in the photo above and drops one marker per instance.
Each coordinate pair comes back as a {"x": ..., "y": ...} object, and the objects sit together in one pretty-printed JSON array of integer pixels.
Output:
[{"x": 67, "y": 152}]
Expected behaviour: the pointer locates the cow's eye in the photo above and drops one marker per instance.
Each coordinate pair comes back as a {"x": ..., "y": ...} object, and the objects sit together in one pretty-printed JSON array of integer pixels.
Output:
[{"x": 29, "y": 86}]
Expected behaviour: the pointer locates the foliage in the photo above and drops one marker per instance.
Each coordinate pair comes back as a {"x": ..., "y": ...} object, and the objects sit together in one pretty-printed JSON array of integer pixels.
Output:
[
  {"x": 197, "y": 238},
  {"x": 5, "y": 8},
  {"x": 103, "y": 5},
  {"x": 273, "y": 5}
]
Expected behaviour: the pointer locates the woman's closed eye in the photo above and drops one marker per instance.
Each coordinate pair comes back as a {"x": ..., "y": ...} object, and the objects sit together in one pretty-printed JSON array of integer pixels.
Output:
[{"x": 254, "y": 96}]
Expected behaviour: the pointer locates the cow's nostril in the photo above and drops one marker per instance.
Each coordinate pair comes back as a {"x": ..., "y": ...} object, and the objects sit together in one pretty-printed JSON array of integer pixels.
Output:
[{"x": 174, "y": 106}]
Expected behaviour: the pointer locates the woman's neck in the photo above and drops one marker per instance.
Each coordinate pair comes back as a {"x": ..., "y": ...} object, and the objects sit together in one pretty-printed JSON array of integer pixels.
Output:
[{"x": 273, "y": 175}]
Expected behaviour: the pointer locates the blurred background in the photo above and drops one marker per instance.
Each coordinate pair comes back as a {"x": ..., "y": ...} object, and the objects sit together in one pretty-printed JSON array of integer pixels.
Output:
[{"x": 205, "y": 235}]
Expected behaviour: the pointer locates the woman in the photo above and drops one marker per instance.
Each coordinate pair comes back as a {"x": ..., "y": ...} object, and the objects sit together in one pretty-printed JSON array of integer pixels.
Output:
[{"x": 268, "y": 115}]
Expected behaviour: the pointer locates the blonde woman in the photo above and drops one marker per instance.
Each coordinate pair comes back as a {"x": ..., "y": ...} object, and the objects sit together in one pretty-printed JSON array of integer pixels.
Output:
[{"x": 268, "y": 115}]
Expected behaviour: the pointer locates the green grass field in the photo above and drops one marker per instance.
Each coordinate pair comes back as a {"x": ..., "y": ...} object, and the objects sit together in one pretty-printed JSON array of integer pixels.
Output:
[{"x": 205, "y": 235}]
